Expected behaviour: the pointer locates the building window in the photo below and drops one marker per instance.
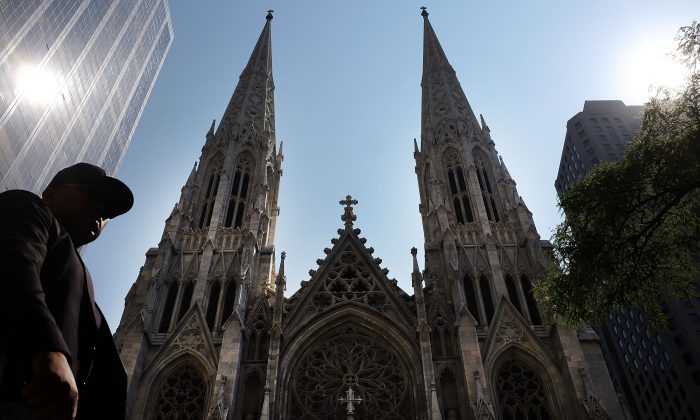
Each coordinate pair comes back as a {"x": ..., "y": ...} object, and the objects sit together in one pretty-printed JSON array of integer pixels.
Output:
[
  {"x": 459, "y": 193},
  {"x": 229, "y": 301},
  {"x": 209, "y": 197},
  {"x": 186, "y": 300},
  {"x": 181, "y": 395},
  {"x": 530, "y": 300},
  {"x": 168, "y": 308},
  {"x": 213, "y": 303},
  {"x": 238, "y": 198},
  {"x": 485, "y": 287},
  {"x": 513, "y": 292},
  {"x": 488, "y": 193},
  {"x": 470, "y": 294},
  {"x": 521, "y": 393}
]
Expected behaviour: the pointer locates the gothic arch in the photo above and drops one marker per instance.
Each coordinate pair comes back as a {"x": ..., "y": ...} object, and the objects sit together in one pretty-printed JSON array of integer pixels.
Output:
[
  {"x": 180, "y": 390},
  {"x": 240, "y": 190},
  {"x": 457, "y": 186},
  {"x": 207, "y": 193},
  {"x": 519, "y": 380},
  {"x": 377, "y": 338},
  {"x": 488, "y": 186}
]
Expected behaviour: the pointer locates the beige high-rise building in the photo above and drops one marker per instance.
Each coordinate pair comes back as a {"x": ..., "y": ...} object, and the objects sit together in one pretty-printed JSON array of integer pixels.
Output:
[{"x": 208, "y": 333}]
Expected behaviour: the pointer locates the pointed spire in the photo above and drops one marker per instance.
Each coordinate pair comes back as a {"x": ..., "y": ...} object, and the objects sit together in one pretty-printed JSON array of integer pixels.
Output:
[
  {"x": 414, "y": 252},
  {"x": 246, "y": 115},
  {"x": 444, "y": 101},
  {"x": 415, "y": 147},
  {"x": 283, "y": 255},
  {"x": 506, "y": 174},
  {"x": 483, "y": 123},
  {"x": 211, "y": 129},
  {"x": 193, "y": 173}
]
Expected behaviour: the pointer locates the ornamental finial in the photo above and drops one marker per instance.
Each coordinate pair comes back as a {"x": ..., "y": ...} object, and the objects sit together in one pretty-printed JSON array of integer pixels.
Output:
[
  {"x": 269, "y": 15},
  {"x": 348, "y": 217},
  {"x": 424, "y": 12}
]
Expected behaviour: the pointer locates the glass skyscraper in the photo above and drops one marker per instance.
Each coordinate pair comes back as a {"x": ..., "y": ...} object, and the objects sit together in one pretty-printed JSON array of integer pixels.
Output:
[{"x": 74, "y": 78}]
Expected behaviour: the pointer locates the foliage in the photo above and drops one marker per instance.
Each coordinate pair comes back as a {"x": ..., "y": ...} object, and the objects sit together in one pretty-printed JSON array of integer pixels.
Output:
[{"x": 631, "y": 237}]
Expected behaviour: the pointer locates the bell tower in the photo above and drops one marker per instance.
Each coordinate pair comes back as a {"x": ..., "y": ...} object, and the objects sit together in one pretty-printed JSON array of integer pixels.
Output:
[
  {"x": 216, "y": 256},
  {"x": 482, "y": 257}
]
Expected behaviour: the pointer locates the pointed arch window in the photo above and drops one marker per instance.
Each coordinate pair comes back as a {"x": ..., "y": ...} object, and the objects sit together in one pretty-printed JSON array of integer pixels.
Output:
[
  {"x": 488, "y": 190},
  {"x": 180, "y": 395},
  {"x": 186, "y": 299},
  {"x": 258, "y": 340},
  {"x": 441, "y": 336},
  {"x": 459, "y": 193},
  {"x": 213, "y": 303},
  {"x": 530, "y": 300},
  {"x": 513, "y": 292},
  {"x": 168, "y": 308},
  {"x": 209, "y": 197},
  {"x": 470, "y": 294},
  {"x": 521, "y": 393},
  {"x": 485, "y": 287},
  {"x": 238, "y": 198},
  {"x": 229, "y": 301}
]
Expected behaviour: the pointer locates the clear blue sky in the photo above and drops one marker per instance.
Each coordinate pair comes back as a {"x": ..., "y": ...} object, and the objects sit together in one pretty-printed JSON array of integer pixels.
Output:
[{"x": 347, "y": 77}]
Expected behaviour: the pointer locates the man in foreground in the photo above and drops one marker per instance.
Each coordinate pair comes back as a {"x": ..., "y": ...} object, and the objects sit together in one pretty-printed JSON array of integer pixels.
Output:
[{"x": 57, "y": 356}]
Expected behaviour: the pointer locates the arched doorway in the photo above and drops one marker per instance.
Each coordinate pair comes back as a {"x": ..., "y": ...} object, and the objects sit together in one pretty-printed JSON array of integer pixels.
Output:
[{"x": 344, "y": 358}]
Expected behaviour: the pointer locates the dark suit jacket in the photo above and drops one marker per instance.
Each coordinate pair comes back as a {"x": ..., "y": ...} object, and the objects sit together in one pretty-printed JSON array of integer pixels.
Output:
[{"x": 47, "y": 304}]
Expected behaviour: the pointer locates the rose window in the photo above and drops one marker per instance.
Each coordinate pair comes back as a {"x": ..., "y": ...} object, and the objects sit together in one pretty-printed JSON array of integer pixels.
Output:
[
  {"x": 181, "y": 395},
  {"x": 521, "y": 393},
  {"x": 350, "y": 359}
]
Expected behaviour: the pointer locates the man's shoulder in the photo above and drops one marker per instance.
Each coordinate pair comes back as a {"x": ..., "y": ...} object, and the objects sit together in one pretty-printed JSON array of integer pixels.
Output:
[
  {"x": 21, "y": 200},
  {"x": 19, "y": 195}
]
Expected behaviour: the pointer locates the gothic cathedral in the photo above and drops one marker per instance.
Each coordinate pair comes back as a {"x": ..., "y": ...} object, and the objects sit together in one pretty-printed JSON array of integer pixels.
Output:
[{"x": 207, "y": 331}]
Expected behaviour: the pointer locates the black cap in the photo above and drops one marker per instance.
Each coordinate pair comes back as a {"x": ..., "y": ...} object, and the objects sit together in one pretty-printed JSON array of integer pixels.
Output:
[{"x": 113, "y": 194}]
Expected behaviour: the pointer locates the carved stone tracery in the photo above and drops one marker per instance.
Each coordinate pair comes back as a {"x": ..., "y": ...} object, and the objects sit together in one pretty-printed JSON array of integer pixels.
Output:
[
  {"x": 510, "y": 330},
  {"x": 180, "y": 395},
  {"x": 350, "y": 280},
  {"x": 349, "y": 357},
  {"x": 521, "y": 393}
]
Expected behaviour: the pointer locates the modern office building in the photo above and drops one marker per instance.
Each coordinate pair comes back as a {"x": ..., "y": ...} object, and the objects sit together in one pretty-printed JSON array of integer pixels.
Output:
[
  {"x": 599, "y": 133},
  {"x": 658, "y": 372},
  {"x": 74, "y": 79}
]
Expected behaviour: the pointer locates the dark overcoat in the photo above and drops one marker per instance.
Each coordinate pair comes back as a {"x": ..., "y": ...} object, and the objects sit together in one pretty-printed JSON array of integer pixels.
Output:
[{"x": 47, "y": 304}]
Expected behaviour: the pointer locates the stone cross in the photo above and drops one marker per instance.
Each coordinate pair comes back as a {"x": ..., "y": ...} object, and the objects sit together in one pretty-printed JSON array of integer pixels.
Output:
[
  {"x": 350, "y": 399},
  {"x": 348, "y": 217}
]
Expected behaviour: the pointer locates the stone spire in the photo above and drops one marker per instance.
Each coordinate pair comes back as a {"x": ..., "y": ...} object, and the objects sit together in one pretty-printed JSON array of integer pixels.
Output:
[
  {"x": 250, "y": 112},
  {"x": 444, "y": 103}
]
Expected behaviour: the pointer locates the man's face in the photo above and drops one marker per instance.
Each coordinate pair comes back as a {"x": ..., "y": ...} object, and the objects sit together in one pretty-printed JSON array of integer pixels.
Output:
[{"x": 82, "y": 216}]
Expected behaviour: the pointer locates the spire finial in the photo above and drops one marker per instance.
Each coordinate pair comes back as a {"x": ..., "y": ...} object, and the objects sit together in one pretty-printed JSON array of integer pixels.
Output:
[
  {"x": 269, "y": 15},
  {"x": 280, "y": 273},
  {"x": 424, "y": 12},
  {"x": 348, "y": 217},
  {"x": 414, "y": 252}
]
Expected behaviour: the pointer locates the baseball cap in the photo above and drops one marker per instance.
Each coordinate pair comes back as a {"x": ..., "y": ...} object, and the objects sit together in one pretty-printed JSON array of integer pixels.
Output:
[{"x": 113, "y": 194}]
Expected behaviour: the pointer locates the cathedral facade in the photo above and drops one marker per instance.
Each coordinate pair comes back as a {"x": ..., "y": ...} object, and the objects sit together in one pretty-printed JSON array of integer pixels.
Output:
[{"x": 207, "y": 332}]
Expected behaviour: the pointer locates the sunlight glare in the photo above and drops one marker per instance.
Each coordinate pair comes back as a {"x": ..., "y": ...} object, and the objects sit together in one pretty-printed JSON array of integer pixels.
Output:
[
  {"x": 37, "y": 84},
  {"x": 651, "y": 66}
]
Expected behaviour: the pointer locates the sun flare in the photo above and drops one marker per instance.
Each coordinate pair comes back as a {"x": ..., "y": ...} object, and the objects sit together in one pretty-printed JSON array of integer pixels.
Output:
[
  {"x": 37, "y": 84},
  {"x": 651, "y": 66}
]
